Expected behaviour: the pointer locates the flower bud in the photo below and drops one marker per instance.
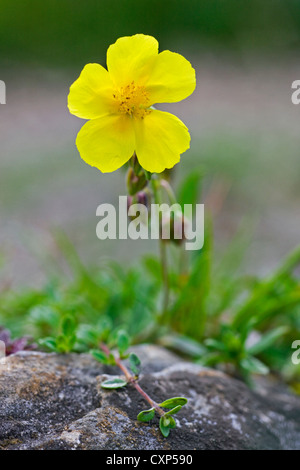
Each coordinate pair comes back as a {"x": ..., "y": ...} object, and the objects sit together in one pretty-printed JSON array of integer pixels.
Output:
[{"x": 141, "y": 197}]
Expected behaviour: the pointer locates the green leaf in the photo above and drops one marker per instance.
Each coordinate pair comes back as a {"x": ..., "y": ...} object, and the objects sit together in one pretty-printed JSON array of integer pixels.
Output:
[
  {"x": 183, "y": 344},
  {"x": 251, "y": 364},
  {"x": 146, "y": 415},
  {"x": 152, "y": 266},
  {"x": 173, "y": 411},
  {"x": 104, "y": 327},
  {"x": 123, "y": 342},
  {"x": 49, "y": 343},
  {"x": 190, "y": 189},
  {"x": 114, "y": 383},
  {"x": 68, "y": 326},
  {"x": 215, "y": 344},
  {"x": 267, "y": 340},
  {"x": 165, "y": 430},
  {"x": 173, "y": 402},
  {"x": 99, "y": 355},
  {"x": 111, "y": 360},
  {"x": 211, "y": 359},
  {"x": 148, "y": 175},
  {"x": 172, "y": 422},
  {"x": 134, "y": 363},
  {"x": 88, "y": 335}
]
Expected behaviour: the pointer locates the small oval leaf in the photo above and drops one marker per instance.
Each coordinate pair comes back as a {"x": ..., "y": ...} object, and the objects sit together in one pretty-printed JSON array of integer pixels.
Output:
[
  {"x": 134, "y": 363},
  {"x": 123, "y": 342},
  {"x": 173, "y": 402},
  {"x": 172, "y": 423},
  {"x": 165, "y": 430},
  {"x": 146, "y": 415},
  {"x": 174, "y": 410},
  {"x": 114, "y": 383},
  {"x": 99, "y": 355}
]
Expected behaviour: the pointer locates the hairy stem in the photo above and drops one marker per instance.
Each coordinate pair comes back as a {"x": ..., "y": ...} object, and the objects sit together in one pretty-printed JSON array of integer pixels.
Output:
[
  {"x": 167, "y": 187},
  {"x": 132, "y": 380}
]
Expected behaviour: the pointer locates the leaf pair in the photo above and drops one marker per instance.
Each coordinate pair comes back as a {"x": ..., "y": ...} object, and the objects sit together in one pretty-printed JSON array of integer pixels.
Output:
[{"x": 166, "y": 421}]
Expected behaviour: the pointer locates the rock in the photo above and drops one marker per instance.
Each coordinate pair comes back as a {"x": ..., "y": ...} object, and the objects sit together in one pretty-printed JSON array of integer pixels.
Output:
[{"x": 50, "y": 401}]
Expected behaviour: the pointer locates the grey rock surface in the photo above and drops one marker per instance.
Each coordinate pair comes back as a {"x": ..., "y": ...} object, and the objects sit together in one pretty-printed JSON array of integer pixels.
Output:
[{"x": 50, "y": 401}]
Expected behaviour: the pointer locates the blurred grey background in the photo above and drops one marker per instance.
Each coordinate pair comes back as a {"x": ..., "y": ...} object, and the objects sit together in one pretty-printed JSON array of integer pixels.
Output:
[{"x": 245, "y": 129}]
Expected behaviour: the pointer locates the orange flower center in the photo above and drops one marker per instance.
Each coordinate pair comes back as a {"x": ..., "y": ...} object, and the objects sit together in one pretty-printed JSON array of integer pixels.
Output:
[{"x": 132, "y": 100}]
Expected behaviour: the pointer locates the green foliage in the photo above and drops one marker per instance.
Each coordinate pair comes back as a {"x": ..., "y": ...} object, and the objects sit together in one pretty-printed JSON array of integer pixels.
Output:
[
  {"x": 216, "y": 315},
  {"x": 65, "y": 341},
  {"x": 105, "y": 356},
  {"x": 101, "y": 357},
  {"x": 166, "y": 421}
]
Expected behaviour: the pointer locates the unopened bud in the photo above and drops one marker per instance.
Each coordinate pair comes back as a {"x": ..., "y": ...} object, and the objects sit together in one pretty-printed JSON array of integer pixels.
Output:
[{"x": 141, "y": 197}]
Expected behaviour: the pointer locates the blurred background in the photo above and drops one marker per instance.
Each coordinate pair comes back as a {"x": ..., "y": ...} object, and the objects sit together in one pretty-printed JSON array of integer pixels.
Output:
[{"x": 245, "y": 129}]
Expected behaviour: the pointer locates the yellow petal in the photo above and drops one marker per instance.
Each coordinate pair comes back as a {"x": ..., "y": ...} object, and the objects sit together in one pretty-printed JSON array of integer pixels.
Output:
[
  {"x": 106, "y": 143},
  {"x": 91, "y": 94},
  {"x": 160, "y": 139},
  {"x": 130, "y": 58},
  {"x": 172, "y": 78}
]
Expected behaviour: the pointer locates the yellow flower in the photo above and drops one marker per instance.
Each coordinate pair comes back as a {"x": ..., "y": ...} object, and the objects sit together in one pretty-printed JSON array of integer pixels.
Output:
[{"x": 119, "y": 105}]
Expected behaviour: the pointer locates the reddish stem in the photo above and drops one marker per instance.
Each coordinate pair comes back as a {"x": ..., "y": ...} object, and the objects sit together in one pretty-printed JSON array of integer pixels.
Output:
[{"x": 132, "y": 380}]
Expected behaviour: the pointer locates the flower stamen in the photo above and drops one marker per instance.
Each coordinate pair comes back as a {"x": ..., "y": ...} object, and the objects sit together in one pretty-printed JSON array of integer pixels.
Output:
[{"x": 132, "y": 100}]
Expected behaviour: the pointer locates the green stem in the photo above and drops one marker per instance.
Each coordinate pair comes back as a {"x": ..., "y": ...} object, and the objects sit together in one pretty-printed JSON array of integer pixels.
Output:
[{"x": 183, "y": 261}]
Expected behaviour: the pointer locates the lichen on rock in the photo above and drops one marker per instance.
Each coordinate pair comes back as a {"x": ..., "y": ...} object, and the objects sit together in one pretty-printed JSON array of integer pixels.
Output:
[{"x": 50, "y": 401}]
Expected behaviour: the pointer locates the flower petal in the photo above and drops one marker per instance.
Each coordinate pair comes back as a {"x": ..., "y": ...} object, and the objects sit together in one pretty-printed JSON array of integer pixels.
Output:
[
  {"x": 172, "y": 78},
  {"x": 106, "y": 143},
  {"x": 130, "y": 58},
  {"x": 91, "y": 94},
  {"x": 160, "y": 139}
]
